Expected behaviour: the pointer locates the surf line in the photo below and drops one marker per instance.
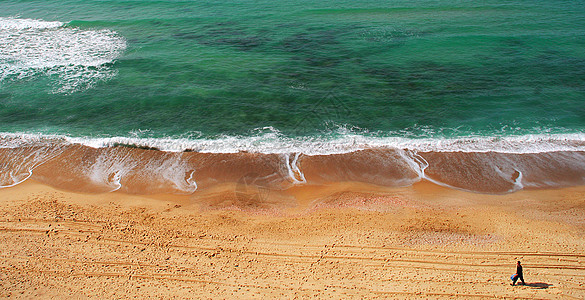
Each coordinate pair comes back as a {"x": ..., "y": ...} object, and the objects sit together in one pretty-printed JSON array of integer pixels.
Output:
[
  {"x": 517, "y": 178},
  {"x": 191, "y": 181},
  {"x": 293, "y": 170},
  {"x": 46, "y": 156},
  {"x": 419, "y": 164},
  {"x": 110, "y": 170}
]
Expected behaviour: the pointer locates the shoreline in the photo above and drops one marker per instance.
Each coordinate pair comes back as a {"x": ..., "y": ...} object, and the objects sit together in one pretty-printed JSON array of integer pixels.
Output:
[
  {"x": 350, "y": 240},
  {"x": 142, "y": 171},
  {"x": 285, "y": 150}
]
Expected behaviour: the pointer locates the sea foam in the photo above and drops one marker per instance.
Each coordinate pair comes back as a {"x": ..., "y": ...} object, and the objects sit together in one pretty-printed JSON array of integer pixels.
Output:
[
  {"x": 78, "y": 58},
  {"x": 167, "y": 165},
  {"x": 274, "y": 142}
]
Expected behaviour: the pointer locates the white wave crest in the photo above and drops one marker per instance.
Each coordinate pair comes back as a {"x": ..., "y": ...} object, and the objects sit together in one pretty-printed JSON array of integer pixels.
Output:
[
  {"x": 274, "y": 142},
  {"x": 21, "y": 24},
  {"x": 77, "y": 58}
]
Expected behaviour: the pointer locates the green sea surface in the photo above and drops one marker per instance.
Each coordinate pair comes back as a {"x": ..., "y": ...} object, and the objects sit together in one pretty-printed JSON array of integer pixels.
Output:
[{"x": 230, "y": 68}]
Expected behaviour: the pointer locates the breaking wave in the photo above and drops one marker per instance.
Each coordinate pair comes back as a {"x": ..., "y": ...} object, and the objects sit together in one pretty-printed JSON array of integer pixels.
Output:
[
  {"x": 166, "y": 165},
  {"x": 77, "y": 58}
]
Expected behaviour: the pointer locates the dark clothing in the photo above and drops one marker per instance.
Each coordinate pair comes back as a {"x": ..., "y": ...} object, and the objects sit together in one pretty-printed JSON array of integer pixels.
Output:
[
  {"x": 519, "y": 270},
  {"x": 520, "y": 276},
  {"x": 516, "y": 279}
]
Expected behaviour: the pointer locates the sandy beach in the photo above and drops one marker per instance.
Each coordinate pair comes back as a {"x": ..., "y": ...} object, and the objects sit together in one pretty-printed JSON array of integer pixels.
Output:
[
  {"x": 344, "y": 241},
  {"x": 273, "y": 149}
]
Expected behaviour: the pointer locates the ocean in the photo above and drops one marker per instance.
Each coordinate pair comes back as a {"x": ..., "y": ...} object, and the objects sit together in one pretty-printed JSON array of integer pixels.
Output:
[{"x": 175, "y": 96}]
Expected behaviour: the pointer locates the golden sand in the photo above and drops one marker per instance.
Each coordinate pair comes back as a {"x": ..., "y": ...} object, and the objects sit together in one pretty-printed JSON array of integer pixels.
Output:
[{"x": 344, "y": 241}]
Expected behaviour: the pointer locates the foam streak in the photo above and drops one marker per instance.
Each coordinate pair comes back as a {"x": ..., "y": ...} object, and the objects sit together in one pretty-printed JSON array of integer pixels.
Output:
[{"x": 78, "y": 58}]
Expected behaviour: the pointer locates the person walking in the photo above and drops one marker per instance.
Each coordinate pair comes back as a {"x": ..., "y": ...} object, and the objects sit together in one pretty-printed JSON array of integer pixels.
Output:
[{"x": 518, "y": 274}]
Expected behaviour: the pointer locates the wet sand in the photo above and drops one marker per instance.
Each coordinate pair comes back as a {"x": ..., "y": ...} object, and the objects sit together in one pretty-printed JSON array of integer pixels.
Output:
[{"x": 347, "y": 240}]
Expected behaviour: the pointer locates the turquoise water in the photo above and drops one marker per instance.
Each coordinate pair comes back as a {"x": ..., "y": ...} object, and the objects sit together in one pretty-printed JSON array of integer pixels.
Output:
[{"x": 211, "y": 69}]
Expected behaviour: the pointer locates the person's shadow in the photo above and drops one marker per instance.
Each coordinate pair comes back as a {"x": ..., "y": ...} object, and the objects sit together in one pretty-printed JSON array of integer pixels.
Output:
[{"x": 539, "y": 285}]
